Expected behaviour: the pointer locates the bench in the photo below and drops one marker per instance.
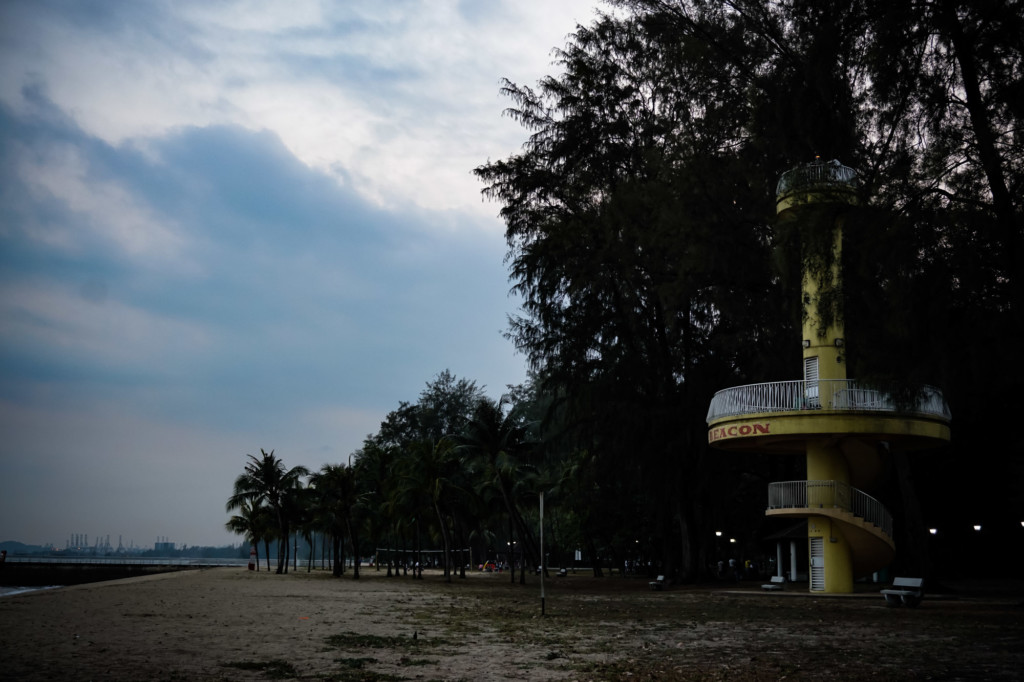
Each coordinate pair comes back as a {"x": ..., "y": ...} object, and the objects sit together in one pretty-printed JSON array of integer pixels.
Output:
[
  {"x": 905, "y": 591},
  {"x": 657, "y": 584},
  {"x": 777, "y": 583}
]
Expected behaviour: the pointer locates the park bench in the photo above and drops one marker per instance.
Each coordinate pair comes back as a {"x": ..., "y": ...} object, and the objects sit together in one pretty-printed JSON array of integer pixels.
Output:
[
  {"x": 777, "y": 583},
  {"x": 904, "y": 591},
  {"x": 657, "y": 584}
]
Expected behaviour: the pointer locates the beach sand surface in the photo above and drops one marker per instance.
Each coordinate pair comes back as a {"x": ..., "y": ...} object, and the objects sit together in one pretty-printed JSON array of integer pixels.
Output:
[{"x": 233, "y": 624}]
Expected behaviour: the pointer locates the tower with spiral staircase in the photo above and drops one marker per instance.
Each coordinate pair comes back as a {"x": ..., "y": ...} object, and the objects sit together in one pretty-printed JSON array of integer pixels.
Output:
[{"x": 843, "y": 427}]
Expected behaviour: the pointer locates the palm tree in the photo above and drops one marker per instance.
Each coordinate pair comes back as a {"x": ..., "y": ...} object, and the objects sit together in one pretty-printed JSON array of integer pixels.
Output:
[
  {"x": 265, "y": 479},
  {"x": 375, "y": 466},
  {"x": 304, "y": 512},
  {"x": 339, "y": 498},
  {"x": 246, "y": 524},
  {"x": 430, "y": 482},
  {"x": 497, "y": 441},
  {"x": 256, "y": 523}
]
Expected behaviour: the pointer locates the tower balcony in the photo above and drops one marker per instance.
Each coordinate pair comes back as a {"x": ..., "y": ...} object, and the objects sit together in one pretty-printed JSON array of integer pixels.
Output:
[
  {"x": 825, "y": 394},
  {"x": 816, "y": 175},
  {"x": 781, "y": 416}
]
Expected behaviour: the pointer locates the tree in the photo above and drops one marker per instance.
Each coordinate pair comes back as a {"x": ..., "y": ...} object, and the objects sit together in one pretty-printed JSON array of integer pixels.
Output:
[
  {"x": 265, "y": 479},
  {"x": 632, "y": 263},
  {"x": 640, "y": 223},
  {"x": 338, "y": 499},
  {"x": 430, "y": 485},
  {"x": 254, "y": 523},
  {"x": 493, "y": 443},
  {"x": 376, "y": 479}
]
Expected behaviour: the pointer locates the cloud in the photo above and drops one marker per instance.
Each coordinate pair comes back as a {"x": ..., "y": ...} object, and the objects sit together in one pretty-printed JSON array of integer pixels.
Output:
[
  {"x": 403, "y": 97},
  {"x": 104, "y": 208},
  {"x": 238, "y": 225},
  {"x": 295, "y": 288}
]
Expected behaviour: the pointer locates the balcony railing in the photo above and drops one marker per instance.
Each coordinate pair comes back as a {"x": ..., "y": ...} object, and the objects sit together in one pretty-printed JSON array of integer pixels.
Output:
[
  {"x": 825, "y": 394},
  {"x": 815, "y": 175},
  {"x": 831, "y": 495}
]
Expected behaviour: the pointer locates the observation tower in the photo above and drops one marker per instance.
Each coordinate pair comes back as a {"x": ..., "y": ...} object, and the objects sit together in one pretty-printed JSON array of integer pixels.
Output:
[{"x": 844, "y": 428}]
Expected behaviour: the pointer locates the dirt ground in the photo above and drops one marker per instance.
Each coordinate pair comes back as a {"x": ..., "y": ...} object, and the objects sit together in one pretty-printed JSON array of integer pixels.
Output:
[{"x": 232, "y": 624}]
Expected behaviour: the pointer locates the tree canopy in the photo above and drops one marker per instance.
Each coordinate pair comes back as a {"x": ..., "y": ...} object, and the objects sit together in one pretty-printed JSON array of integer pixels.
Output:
[
  {"x": 641, "y": 231},
  {"x": 642, "y": 240}
]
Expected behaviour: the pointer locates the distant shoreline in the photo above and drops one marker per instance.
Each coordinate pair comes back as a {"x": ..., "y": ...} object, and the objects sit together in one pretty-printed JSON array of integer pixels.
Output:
[{"x": 41, "y": 574}]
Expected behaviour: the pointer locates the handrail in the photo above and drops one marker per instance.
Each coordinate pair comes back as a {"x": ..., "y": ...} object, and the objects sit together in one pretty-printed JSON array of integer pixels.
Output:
[
  {"x": 825, "y": 394},
  {"x": 816, "y": 174},
  {"x": 829, "y": 494}
]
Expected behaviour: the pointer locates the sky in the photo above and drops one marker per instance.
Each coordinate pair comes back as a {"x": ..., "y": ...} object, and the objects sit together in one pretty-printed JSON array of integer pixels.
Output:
[{"x": 235, "y": 225}]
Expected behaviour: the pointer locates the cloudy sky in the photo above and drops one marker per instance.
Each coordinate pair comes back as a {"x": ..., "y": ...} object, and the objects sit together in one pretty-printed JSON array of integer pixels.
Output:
[{"x": 227, "y": 226}]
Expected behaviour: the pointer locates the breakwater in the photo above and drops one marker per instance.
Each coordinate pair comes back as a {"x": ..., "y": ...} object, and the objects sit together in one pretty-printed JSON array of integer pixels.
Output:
[{"x": 41, "y": 573}]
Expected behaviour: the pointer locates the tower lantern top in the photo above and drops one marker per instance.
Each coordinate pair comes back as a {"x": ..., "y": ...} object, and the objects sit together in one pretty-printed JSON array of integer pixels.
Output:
[
  {"x": 817, "y": 174},
  {"x": 816, "y": 182}
]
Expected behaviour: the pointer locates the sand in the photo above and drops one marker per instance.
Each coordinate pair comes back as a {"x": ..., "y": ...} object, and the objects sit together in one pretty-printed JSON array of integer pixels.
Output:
[{"x": 233, "y": 624}]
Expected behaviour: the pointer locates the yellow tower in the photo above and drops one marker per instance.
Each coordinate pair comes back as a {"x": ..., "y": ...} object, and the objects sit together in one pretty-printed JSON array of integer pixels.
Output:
[{"x": 843, "y": 427}]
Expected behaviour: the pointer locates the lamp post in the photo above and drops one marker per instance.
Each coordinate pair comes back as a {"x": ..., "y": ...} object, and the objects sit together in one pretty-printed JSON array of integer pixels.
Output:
[{"x": 542, "y": 554}]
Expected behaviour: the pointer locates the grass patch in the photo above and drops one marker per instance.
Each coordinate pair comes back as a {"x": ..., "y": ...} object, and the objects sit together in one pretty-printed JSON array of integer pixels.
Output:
[
  {"x": 275, "y": 669},
  {"x": 353, "y": 640},
  {"x": 355, "y": 663},
  {"x": 354, "y": 670},
  {"x": 350, "y": 675}
]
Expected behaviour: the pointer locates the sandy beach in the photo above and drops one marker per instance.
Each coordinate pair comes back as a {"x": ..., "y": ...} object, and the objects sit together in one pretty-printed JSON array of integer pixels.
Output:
[{"x": 232, "y": 624}]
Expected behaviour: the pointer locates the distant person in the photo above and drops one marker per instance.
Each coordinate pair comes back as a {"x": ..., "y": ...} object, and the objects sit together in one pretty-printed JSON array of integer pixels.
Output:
[{"x": 3, "y": 557}]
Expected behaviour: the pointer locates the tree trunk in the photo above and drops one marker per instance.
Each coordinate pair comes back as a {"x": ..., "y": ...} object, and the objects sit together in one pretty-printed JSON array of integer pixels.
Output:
[
  {"x": 594, "y": 561},
  {"x": 282, "y": 543},
  {"x": 446, "y": 543},
  {"x": 686, "y": 562},
  {"x": 355, "y": 548},
  {"x": 512, "y": 548},
  {"x": 336, "y": 553},
  {"x": 915, "y": 559}
]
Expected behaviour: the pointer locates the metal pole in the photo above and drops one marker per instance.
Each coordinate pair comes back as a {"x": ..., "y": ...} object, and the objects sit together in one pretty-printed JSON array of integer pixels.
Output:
[{"x": 542, "y": 554}]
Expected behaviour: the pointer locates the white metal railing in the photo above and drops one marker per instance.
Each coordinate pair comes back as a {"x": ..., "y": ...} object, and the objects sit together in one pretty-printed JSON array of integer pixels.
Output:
[
  {"x": 816, "y": 173},
  {"x": 824, "y": 394},
  {"x": 832, "y": 495}
]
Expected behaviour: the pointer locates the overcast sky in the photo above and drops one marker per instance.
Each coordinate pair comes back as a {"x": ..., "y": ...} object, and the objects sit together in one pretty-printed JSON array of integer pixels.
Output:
[{"x": 227, "y": 226}]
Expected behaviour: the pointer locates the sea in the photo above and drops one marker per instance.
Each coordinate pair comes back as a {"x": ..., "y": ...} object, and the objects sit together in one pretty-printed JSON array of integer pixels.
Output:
[{"x": 6, "y": 591}]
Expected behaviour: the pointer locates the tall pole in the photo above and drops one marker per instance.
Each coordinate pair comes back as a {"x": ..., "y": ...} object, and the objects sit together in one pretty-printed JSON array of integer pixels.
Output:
[{"x": 542, "y": 554}]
